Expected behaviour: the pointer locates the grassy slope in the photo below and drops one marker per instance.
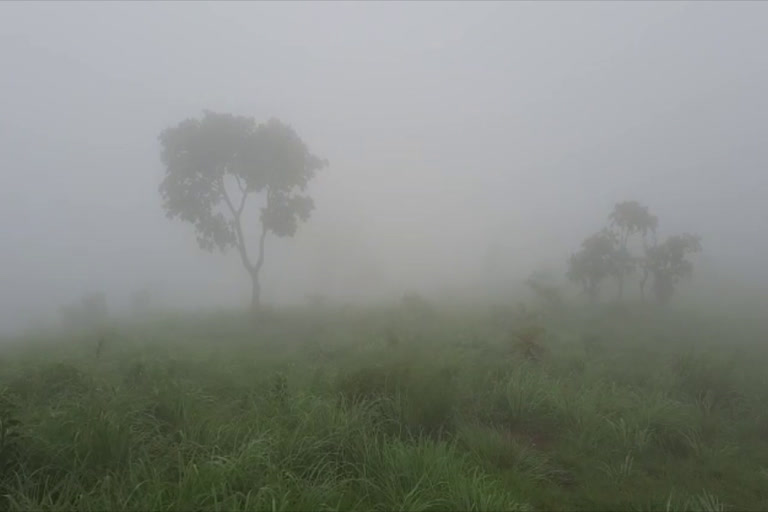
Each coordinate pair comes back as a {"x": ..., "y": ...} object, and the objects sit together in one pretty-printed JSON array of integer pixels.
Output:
[{"x": 387, "y": 410}]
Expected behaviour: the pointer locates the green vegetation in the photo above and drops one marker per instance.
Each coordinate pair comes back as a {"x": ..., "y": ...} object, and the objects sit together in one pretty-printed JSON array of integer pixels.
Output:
[{"x": 403, "y": 408}]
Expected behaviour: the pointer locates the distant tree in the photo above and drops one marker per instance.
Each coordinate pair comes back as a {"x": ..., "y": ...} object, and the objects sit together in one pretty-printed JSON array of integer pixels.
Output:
[
  {"x": 596, "y": 260},
  {"x": 627, "y": 219},
  {"x": 607, "y": 253},
  {"x": 667, "y": 263},
  {"x": 622, "y": 264},
  {"x": 214, "y": 164}
]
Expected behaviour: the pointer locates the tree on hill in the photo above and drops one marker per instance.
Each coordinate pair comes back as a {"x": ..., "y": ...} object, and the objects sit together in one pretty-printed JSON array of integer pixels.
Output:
[{"x": 215, "y": 164}]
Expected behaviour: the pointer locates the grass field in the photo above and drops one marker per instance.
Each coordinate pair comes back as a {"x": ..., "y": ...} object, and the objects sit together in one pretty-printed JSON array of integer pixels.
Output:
[{"x": 390, "y": 409}]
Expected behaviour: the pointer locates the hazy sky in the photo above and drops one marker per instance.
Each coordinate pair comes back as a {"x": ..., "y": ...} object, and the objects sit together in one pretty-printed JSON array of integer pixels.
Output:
[{"x": 448, "y": 126}]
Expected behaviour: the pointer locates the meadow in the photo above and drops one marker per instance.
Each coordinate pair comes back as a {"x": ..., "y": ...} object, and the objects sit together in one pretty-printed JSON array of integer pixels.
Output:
[{"x": 411, "y": 406}]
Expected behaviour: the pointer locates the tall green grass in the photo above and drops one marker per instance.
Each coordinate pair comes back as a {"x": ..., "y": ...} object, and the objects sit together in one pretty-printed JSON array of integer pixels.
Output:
[{"x": 311, "y": 410}]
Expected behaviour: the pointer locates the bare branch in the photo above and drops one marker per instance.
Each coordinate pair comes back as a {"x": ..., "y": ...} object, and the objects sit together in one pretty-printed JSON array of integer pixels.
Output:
[
  {"x": 242, "y": 200},
  {"x": 240, "y": 184}
]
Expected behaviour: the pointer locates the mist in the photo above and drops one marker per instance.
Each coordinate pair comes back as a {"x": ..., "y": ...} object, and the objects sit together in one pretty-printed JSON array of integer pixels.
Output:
[{"x": 452, "y": 130}]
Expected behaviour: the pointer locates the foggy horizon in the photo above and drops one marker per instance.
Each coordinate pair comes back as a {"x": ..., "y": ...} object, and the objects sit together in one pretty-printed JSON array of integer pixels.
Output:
[{"x": 450, "y": 129}]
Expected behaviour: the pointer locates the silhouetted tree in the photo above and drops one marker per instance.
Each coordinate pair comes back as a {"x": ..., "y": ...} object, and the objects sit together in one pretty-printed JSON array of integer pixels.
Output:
[
  {"x": 667, "y": 263},
  {"x": 596, "y": 260},
  {"x": 629, "y": 218},
  {"x": 214, "y": 164}
]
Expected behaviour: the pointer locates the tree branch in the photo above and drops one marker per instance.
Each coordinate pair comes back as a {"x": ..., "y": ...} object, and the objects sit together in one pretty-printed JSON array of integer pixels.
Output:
[
  {"x": 242, "y": 204},
  {"x": 264, "y": 230},
  {"x": 224, "y": 194},
  {"x": 244, "y": 191},
  {"x": 240, "y": 184},
  {"x": 260, "y": 260},
  {"x": 238, "y": 228}
]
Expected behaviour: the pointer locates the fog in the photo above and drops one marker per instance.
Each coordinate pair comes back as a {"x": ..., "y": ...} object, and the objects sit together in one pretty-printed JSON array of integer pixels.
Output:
[{"x": 456, "y": 134}]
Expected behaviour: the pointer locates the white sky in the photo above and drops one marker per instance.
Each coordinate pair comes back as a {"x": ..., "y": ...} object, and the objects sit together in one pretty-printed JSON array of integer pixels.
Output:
[{"x": 448, "y": 127}]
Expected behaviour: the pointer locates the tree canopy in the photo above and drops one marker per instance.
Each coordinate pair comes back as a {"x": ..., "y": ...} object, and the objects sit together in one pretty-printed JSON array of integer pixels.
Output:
[
  {"x": 594, "y": 262},
  {"x": 667, "y": 263},
  {"x": 607, "y": 253},
  {"x": 214, "y": 164},
  {"x": 629, "y": 218}
]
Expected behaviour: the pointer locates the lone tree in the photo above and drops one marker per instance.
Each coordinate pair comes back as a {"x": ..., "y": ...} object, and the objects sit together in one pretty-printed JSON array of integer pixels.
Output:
[
  {"x": 629, "y": 218},
  {"x": 667, "y": 263},
  {"x": 214, "y": 164}
]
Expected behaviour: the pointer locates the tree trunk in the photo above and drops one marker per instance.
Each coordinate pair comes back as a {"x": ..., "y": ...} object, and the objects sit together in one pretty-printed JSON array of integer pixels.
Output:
[
  {"x": 254, "y": 271},
  {"x": 642, "y": 284},
  {"x": 255, "y": 292},
  {"x": 620, "y": 292}
]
